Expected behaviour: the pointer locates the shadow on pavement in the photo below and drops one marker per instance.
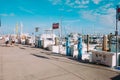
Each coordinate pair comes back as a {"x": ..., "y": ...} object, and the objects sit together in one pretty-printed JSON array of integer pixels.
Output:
[
  {"x": 40, "y": 56},
  {"x": 21, "y": 47},
  {"x": 116, "y": 77}
]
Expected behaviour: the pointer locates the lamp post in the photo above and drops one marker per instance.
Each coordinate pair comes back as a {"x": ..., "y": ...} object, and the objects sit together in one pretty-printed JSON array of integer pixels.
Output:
[
  {"x": 116, "y": 32},
  {"x": 0, "y": 21}
]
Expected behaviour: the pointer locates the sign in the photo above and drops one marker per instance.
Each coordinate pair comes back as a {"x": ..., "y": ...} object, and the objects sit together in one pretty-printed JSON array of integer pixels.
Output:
[
  {"x": 118, "y": 10},
  {"x": 55, "y": 25},
  {"x": 36, "y": 29}
]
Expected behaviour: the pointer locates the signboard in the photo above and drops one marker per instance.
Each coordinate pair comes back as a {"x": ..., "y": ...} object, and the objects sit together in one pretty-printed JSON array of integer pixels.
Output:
[
  {"x": 55, "y": 25},
  {"x": 118, "y": 10},
  {"x": 36, "y": 29}
]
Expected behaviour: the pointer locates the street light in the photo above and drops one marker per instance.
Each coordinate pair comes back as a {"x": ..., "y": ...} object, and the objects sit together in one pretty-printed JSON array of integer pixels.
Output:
[
  {"x": 116, "y": 32},
  {"x": 0, "y": 22}
]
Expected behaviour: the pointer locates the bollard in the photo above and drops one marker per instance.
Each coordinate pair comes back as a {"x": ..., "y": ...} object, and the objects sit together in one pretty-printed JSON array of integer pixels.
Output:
[
  {"x": 105, "y": 45},
  {"x": 79, "y": 48},
  {"x": 87, "y": 43},
  {"x": 39, "y": 43},
  {"x": 56, "y": 41},
  {"x": 67, "y": 46},
  {"x": 109, "y": 38}
]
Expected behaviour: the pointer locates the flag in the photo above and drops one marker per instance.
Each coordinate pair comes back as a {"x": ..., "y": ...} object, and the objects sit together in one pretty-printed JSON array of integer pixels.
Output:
[
  {"x": 118, "y": 13},
  {"x": 118, "y": 10},
  {"x": 36, "y": 29},
  {"x": 55, "y": 25},
  {"x": 16, "y": 29}
]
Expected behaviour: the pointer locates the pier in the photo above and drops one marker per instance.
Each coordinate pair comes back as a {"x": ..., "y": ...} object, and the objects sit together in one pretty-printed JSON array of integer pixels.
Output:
[{"x": 23, "y": 62}]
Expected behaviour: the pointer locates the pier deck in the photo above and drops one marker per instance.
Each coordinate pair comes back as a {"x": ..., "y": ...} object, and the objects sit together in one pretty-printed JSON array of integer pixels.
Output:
[{"x": 22, "y": 62}]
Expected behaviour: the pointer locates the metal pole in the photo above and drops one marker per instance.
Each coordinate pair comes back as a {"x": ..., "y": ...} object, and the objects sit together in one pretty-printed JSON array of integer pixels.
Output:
[
  {"x": 0, "y": 21},
  {"x": 116, "y": 33},
  {"x": 59, "y": 37},
  {"x": 21, "y": 26},
  {"x": 60, "y": 33},
  {"x": 0, "y": 24},
  {"x": 61, "y": 28}
]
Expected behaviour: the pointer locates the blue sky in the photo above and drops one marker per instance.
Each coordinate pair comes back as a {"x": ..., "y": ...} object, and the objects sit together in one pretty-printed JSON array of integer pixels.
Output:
[{"x": 83, "y": 16}]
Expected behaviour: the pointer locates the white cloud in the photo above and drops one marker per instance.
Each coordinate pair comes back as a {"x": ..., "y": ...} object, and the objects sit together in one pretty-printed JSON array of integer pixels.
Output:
[
  {"x": 96, "y": 1},
  {"x": 71, "y": 3},
  {"x": 70, "y": 10},
  {"x": 81, "y": 6},
  {"x": 108, "y": 5},
  {"x": 80, "y": 2},
  {"x": 12, "y": 14},
  {"x": 77, "y": 2},
  {"x": 55, "y": 2},
  {"x": 85, "y": 1},
  {"x": 111, "y": 11},
  {"x": 107, "y": 19},
  {"x": 26, "y": 10},
  {"x": 61, "y": 9},
  {"x": 4, "y": 14},
  {"x": 88, "y": 15},
  {"x": 72, "y": 21},
  {"x": 68, "y": 1}
]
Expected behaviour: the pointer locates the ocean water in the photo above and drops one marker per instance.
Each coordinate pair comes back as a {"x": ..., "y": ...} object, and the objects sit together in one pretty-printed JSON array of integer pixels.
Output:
[{"x": 113, "y": 48}]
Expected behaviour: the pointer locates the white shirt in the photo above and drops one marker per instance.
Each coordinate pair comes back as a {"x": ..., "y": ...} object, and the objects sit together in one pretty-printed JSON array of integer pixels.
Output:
[{"x": 7, "y": 39}]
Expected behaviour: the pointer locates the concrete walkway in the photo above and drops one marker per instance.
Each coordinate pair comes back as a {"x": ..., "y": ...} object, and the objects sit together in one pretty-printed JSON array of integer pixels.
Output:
[{"x": 26, "y": 63}]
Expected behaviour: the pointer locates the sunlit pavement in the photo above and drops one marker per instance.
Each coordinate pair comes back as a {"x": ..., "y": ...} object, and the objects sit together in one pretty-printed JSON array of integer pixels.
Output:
[{"x": 19, "y": 62}]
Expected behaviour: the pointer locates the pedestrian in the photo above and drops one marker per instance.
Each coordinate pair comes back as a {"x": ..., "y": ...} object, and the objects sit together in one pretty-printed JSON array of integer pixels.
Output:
[{"x": 6, "y": 40}]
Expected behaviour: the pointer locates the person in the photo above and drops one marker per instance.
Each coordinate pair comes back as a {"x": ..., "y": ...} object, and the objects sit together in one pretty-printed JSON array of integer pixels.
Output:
[
  {"x": 13, "y": 41},
  {"x": 6, "y": 40}
]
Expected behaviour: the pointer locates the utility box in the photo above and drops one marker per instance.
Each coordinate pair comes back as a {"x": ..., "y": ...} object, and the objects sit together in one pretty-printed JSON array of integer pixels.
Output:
[
  {"x": 46, "y": 43},
  {"x": 105, "y": 58},
  {"x": 74, "y": 51},
  {"x": 55, "y": 49}
]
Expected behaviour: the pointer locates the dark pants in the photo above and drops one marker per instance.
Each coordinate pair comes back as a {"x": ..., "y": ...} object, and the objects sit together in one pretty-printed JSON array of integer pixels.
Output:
[{"x": 6, "y": 42}]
